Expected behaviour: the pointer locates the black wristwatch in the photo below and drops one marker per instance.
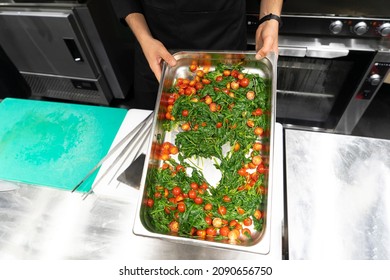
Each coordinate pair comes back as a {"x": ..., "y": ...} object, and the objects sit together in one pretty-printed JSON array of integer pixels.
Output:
[{"x": 271, "y": 16}]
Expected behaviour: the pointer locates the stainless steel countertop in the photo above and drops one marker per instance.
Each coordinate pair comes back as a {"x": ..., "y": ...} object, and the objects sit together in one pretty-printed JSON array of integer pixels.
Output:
[
  {"x": 44, "y": 223},
  {"x": 338, "y": 196}
]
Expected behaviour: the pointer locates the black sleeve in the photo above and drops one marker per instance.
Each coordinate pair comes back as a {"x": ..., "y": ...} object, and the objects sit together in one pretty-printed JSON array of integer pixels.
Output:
[{"x": 123, "y": 8}]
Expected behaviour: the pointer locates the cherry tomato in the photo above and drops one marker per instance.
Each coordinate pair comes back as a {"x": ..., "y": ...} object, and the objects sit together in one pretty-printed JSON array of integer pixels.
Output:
[
  {"x": 185, "y": 126},
  {"x": 168, "y": 116},
  {"x": 255, "y": 176},
  {"x": 247, "y": 222},
  {"x": 257, "y": 146},
  {"x": 173, "y": 150},
  {"x": 244, "y": 82},
  {"x": 257, "y": 214},
  {"x": 257, "y": 112},
  {"x": 166, "y": 145},
  {"x": 224, "y": 231},
  {"x": 192, "y": 194},
  {"x": 204, "y": 186},
  {"x": 217, "y": 222},
  {"x": 256, "y": 160},
  {"x": 222, "y": 210},
  {"x": 226, "y": 72},
  {"x": 226, "y": 198},
  {"x": 176, "y": 191},
  {"x": 208, "y": 100},
  {"x": 150, "y": 202},
  {"x": 179, "y": 198},
  {"x": 238, "y": 226},
  {"x": 213, "y": 107},
  {"x": 181, "y": 207},
  {"x": 234, "y": 235},
  {"x": 211, "y": 231},
  {"x": 242, "y": 172},
  {"x": 201, "y": 233},
  {"x": 250, "y": 123},
  {"x": 184, "y": 113},
  {"x": 259, "y": 131},
  {"x": 234, "y": 85},
  {"x": 198, "y": 200},
  {"x": 194, "y": 186},
  {"x": 174, "y": 226},
  {"x": 240, "y": 211},
  {"x": 157, "y": 195},
  {"x": 200, "y": 73},
  {"x": 198, "y": 86},
  {"x": 180, "y": 168},
  {"x": 218, "y": 78},
  {"x": 233, "y": 223},
  {"x": 234, "y": 73},
  {"x": 261, "y": 169},
  {"x": 193, "y": 67},
  {"x": 250, "y": 95},
  {"x": 208, "y": 207},
  {"x": 208, "y": 220}
]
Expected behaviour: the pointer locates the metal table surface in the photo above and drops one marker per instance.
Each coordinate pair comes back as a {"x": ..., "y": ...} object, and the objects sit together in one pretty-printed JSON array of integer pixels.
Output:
[
  {"x": 45, "y": 223},
  {"x": 338, "y": 196}
]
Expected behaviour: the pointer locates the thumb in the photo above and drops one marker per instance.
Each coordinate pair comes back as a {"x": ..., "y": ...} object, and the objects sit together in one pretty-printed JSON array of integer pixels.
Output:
[
  {"x": 266, "y": 48},
  {"x": 168, "y": 58}
]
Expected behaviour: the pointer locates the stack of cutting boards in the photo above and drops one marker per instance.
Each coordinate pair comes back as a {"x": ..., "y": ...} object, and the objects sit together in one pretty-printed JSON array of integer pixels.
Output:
[{"x": 54, "y": 144}]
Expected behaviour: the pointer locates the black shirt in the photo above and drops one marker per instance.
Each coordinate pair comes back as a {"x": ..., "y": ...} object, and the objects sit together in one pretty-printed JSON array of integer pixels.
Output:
[{"x": 189, "y": 25}]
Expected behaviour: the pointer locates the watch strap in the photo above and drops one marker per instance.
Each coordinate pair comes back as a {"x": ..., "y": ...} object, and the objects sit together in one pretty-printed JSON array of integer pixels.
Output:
[{"x": 269, "y": 17}]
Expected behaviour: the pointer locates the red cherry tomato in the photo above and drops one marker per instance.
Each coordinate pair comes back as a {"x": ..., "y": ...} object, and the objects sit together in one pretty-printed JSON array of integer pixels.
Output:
[
  {"x": 181, "y": 207},
  {"x": 198, "y": 200},
  {"x": 244, "y": 82}
]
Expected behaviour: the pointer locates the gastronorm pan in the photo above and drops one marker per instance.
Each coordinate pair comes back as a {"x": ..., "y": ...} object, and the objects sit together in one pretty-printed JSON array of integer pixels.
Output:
[{"x": 202, "y": 183}]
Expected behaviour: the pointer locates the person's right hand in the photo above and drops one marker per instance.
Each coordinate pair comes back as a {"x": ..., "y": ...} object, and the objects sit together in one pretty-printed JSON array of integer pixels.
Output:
[{"x": 155, "y": 53}]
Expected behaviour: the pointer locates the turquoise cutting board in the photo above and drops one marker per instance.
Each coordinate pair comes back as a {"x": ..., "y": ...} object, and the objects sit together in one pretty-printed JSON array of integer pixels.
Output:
[{"x": 54, "y": 144}]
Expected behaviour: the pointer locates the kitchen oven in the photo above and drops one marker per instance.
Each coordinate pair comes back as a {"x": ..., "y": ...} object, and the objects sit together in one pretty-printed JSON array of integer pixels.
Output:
[
  {"x": 65, "y": 51},
  {"x": 333, "y": 58}
]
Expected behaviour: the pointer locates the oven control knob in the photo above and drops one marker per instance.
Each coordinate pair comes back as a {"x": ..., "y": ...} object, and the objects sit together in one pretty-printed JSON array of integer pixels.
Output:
[
  {"x": 336, "y": 26},
  {"x": 384, "y": 29},
  {"x": 360, "y": 28},
  {"x": 374, "y": 79}
]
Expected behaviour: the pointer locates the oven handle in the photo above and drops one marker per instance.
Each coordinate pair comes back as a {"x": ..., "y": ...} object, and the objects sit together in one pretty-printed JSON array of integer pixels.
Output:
[{"x": 314, "y": 52}]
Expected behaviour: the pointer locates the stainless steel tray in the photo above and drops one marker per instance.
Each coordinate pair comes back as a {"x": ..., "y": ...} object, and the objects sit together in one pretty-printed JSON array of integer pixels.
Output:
[{"x": 208, "y": 61}]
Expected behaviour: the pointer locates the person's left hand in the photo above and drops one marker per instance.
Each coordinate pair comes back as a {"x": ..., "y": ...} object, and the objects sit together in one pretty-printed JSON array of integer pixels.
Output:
[{"x": 267, "y": 38}]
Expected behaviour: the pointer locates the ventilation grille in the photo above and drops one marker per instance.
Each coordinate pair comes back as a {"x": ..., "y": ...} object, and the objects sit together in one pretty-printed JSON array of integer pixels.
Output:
[{"x": 63, "y": 88}]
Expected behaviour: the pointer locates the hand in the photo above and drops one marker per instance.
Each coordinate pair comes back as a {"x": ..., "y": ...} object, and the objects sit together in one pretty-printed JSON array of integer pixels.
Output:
[
  {"x": 267, "y": 38},
  {"x": 155, "y": 53}
]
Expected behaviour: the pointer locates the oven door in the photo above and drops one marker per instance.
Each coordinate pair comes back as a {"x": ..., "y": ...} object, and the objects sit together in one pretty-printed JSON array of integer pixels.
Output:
[
  {"x": 315, "y": 84},
  {"x": 370, "y": 100}
]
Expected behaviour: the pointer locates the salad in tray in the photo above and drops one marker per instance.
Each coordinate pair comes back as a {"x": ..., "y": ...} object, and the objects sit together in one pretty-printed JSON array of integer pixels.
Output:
[{"x": 211, "y": 181}]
